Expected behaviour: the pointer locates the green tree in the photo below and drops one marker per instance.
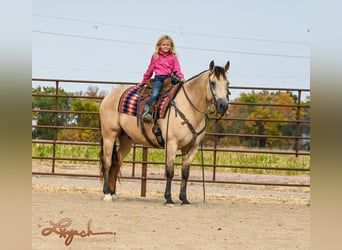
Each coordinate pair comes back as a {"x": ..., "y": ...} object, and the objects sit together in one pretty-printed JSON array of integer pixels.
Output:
[
  {"x": 48, "y": 102},
  {"x": 84, "y": 120},
  {"x": 260, "y": 114}
]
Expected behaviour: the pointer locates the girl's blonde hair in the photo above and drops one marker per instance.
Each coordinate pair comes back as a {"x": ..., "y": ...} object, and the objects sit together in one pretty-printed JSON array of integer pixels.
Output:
[{"x": 159, "y": 42}]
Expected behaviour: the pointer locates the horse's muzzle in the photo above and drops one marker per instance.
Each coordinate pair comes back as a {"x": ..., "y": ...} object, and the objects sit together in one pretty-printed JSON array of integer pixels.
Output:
[{"x": 221, "y": 106}]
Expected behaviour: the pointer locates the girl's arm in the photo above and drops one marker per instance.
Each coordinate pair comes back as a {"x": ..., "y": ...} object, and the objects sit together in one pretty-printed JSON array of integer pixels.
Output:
[
  {"x": 178, "y": 68},
  {"x": 148, "y": 72}
]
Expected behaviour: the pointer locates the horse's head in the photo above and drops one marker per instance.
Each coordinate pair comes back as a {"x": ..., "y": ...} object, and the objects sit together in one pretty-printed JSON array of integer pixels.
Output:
[{"x": 218, "y": 84}]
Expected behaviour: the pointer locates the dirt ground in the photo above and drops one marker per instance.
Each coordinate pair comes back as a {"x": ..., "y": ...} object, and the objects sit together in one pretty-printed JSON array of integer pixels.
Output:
[{"x": 232, "y": 217}]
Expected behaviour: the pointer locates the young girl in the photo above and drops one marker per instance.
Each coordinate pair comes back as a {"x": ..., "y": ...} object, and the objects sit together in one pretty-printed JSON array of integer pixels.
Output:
[{"x": 163, "y": 62}]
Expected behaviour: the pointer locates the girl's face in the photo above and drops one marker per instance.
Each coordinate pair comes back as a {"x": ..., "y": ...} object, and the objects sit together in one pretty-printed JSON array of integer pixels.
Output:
[{"x": 165, "y": 46}]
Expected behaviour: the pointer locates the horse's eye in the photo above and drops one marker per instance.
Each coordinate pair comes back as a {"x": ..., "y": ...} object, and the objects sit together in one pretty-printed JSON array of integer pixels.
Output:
[
  {"x": 228, "y": 92},
  {"x": 212, "y": 84}
]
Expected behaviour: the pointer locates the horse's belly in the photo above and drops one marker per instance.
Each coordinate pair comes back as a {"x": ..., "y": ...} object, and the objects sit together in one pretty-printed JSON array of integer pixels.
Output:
[{"x": 131, "y": 127}]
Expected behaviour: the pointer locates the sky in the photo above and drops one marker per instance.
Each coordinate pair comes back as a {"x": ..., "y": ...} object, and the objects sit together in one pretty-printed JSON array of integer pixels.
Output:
[{"x": 267, "y": 42}]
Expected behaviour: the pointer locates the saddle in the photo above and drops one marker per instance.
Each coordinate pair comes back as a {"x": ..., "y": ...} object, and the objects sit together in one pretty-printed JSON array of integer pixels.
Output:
[
  {"x": 133, "y": 100},
  {"x": 157, "y": 108}
]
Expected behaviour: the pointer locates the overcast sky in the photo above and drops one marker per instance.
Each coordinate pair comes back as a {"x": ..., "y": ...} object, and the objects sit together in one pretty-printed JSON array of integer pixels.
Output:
[{"x": 266, "y": 41}]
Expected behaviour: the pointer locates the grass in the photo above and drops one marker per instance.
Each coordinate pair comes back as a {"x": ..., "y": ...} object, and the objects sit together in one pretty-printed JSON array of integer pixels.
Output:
[{"x": 226, "y": 161}]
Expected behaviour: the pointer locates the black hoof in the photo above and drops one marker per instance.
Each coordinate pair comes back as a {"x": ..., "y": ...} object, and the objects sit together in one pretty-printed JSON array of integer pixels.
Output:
[
  {"x": 169, "y": 202},
  {"x": 186, "y": 202}
]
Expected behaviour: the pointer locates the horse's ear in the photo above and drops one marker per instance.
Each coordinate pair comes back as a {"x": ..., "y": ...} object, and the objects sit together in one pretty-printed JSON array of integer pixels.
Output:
[
  {"x": 226, "y": 67},
  {"x": 211, "y": 65}
]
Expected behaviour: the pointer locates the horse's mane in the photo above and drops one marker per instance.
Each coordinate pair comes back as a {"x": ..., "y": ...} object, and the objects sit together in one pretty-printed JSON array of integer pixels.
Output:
[
  {"x": 217, "y": 72},
  {"x": 193, "y": 77}
]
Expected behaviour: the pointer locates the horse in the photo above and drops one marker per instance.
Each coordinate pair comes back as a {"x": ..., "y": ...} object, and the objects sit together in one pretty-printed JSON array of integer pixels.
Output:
[{"x": 183, "y": 129}]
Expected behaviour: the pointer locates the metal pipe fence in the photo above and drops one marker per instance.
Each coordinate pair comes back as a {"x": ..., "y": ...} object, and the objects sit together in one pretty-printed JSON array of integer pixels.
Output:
[{"x": 213, "y": 169}]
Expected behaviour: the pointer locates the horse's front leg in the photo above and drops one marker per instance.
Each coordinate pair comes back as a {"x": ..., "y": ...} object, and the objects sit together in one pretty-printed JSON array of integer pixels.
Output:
[
  {"x": 169, "y": 173},
  {"x": 186, "y": 162},
  {"x": 185, "y": 177}
]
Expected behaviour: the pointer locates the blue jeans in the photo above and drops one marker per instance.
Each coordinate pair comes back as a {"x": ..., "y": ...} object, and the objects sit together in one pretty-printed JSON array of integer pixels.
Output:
[{"x": 157, "y": 86}]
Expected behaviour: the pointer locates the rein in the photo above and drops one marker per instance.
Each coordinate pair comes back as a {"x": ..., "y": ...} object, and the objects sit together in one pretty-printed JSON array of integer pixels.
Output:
[
  {"x": 214, "y": 97},
  {"x": 195, "y": 134},
  {"x": 187, "y": 97},
  {"x": 186, "y": 121}
]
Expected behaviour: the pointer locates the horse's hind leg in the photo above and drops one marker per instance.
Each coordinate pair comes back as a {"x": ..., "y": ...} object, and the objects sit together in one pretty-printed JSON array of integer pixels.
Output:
[
  {"x": 109, "y": 169},
  {"x": 125, "y": 145},
  {"x": 112, "y": 161}
]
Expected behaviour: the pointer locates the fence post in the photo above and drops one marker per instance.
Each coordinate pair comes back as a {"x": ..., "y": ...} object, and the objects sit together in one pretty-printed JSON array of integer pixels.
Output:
[
  {"x": 215, "y": 148},
  {"x": 144, "y": 172},
  {"x": 134, "y": 159},
  {"x": 55, "y": 118},
  {"x": 298, "y": 123}
]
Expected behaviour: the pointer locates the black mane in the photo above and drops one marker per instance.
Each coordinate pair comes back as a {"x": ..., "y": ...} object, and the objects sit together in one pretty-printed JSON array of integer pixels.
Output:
[{"x": 218, "y": 70}]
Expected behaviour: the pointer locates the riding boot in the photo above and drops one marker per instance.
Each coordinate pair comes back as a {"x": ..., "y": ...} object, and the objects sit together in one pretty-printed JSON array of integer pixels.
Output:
[{"x": 147, "y": 117}]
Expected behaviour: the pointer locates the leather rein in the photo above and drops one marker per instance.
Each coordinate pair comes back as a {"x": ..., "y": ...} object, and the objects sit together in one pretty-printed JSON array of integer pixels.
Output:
[{"x": 187, "y": 122}]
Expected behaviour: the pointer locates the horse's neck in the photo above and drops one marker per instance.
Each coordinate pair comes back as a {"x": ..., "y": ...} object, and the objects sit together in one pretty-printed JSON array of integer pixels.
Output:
[{"x": 196, "y": 90}]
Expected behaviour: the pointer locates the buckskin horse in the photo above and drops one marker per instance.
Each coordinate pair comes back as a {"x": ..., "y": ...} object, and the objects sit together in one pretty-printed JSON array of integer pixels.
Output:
[{"x": 183, "y": 129}]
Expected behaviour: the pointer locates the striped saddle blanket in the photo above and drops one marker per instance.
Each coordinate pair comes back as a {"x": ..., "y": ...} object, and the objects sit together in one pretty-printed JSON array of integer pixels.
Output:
[{"x": 134, "y": 98}]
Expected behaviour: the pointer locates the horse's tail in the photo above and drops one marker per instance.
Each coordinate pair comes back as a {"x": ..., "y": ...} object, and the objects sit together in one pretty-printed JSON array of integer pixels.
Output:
[{"x": 101, "y": 159}]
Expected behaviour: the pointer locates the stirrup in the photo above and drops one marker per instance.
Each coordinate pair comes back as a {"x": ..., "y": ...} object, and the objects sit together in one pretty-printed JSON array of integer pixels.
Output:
[
  {"x": 146, "y": 112},
  {"x": 147, "y": 117},
  {"x": 146, "y": 109}
]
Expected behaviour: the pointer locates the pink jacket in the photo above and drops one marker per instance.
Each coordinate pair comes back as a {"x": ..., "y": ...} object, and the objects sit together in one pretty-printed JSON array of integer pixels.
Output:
[{"x": 163, "y": 65}]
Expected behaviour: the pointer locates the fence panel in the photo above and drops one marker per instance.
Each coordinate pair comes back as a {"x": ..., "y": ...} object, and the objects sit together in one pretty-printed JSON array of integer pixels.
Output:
[{"x": 49, "y": 151}]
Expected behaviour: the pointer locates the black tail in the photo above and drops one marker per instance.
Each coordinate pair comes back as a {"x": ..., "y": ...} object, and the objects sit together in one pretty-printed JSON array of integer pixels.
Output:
[{"x": 101, "y": 159}]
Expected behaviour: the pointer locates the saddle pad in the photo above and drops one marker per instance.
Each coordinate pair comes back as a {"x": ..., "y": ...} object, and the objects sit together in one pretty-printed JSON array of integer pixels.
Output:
[
  {"x": 165, "y": 102},
  {"x": 130, "y": 98},
  {"x": 129, "y": 101}
]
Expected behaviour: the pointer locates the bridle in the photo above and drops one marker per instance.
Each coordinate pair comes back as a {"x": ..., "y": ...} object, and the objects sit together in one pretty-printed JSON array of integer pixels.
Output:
[{"x": 211, "y": 83}]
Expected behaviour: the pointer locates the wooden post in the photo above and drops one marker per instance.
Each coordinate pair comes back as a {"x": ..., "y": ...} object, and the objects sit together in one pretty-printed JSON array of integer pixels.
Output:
[{"x": 144, "y": 172}]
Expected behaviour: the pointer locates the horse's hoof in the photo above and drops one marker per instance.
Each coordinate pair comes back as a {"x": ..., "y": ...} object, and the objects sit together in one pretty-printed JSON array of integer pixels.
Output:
[
  {"x": 186, "y": 203},
  {"x": 107, "y": 197},
  {"x": 169, "y": 204},
  {"x": 114, "y": 197}
]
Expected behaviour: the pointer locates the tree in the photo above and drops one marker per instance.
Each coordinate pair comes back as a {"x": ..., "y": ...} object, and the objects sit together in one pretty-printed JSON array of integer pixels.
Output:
[
  {"x": 48, "y": 118},
  {"x": 260, "y": 114},
  {"x": 84, "y": 120}
]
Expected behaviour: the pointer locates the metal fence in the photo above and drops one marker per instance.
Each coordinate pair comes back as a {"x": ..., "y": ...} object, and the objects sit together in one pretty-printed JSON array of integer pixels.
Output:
[{"x": 215, "y": 172}]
